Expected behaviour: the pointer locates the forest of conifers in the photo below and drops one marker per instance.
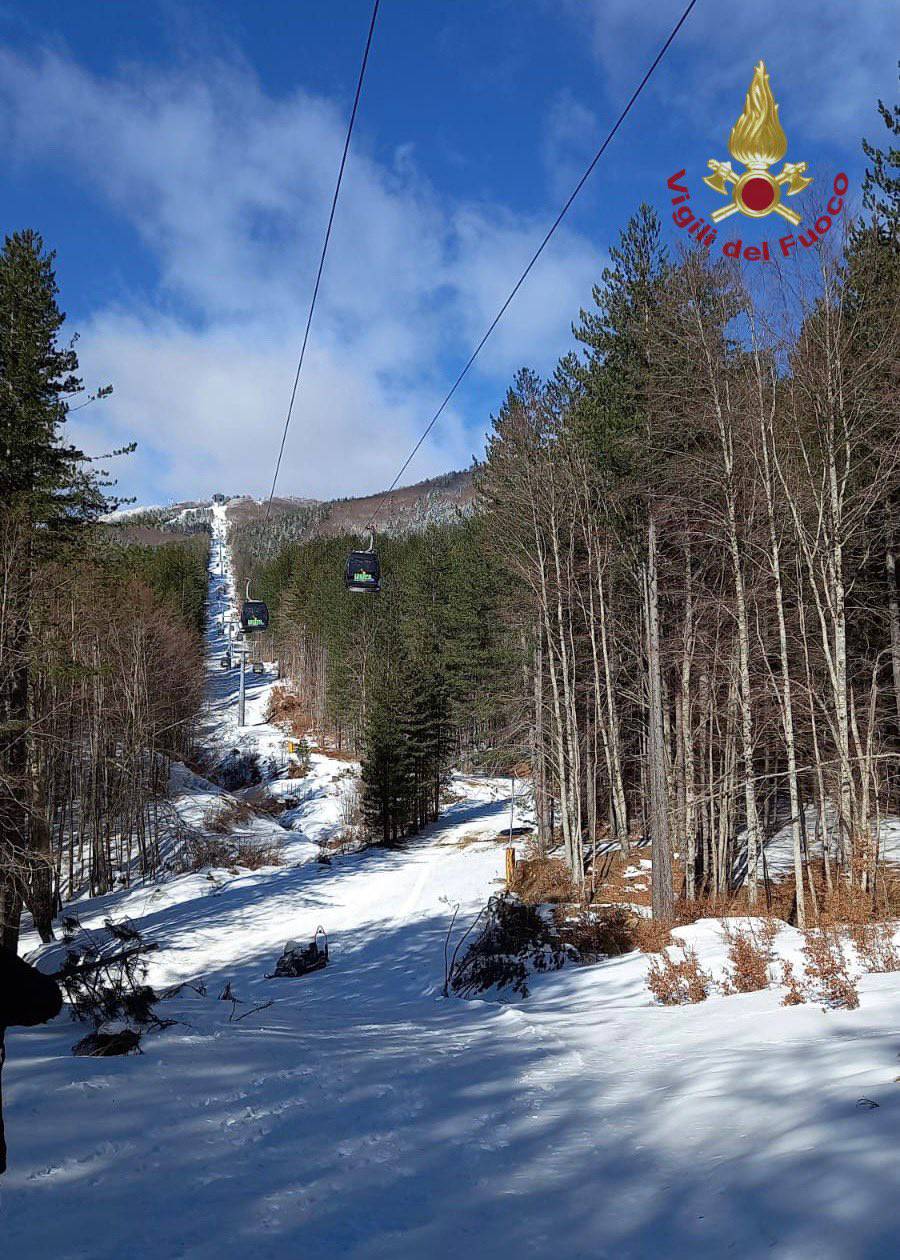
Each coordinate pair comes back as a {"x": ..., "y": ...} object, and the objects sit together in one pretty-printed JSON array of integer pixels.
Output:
[
  {"x": 676, "y": 601},
  {"x": 100, "y": 637}
]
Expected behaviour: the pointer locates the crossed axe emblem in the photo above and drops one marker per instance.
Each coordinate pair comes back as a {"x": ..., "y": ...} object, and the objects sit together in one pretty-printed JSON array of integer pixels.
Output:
[{"x": 763, "y": 201}]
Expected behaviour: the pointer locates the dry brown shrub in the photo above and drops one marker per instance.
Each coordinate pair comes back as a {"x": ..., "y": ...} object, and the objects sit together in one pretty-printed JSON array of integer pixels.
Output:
[
  {"x": 796, "y": 994},
  {"x": 199, "y": 851},
  {"x": 262, "y": 801},
  {"x": 222, "y": 819},
  {"x": 539, "y": 880},
  {"x": 651, "y": 935},
  {"x": 605, "y": 933},
  {"x": 287, "y": 710},
  {"x": 875, "y": 945},
  {"x": 749, "y": 953},
  {"x": 346, "y": 840},
  {"x": 217, "y": 851},
  {"x": 336, "y": 751},
  {"x": 688, "y": 910},
  {"x": 828, "y": 979},
  {"x": 254, "y": 854},
  {"x": 842, "y": 903},
  {"x": 534, "y": 848},
  {"x": 678, "y": 981},
  {"x": 846, "y": 903}
]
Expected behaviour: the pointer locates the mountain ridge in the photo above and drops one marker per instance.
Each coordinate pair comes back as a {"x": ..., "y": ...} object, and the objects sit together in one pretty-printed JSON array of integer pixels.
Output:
[{"x": 405, "y": 509}]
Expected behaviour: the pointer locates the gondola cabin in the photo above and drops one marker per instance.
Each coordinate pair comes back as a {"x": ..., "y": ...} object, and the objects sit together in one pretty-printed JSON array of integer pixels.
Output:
[
  {"x": 363, "y": 572},
  {"x": 257, "y": 667},
  {"x": 254, "y": 615}
]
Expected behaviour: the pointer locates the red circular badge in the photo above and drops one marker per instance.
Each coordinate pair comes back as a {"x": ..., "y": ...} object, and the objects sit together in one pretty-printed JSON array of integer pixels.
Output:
[{"x": 757, "y": 194}]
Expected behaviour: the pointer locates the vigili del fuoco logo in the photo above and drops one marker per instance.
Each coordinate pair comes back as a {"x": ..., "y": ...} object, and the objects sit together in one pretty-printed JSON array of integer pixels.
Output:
[{"x": 758, "y": 143}]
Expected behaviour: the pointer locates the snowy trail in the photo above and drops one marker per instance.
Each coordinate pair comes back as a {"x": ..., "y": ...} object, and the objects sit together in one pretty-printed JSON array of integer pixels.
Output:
[{"x": 363, "y": 1116}]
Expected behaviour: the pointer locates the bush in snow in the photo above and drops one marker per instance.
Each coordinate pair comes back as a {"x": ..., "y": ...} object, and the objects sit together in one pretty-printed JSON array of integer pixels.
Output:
[
  {"x": 353, "y": 834},
  {"x": 541, "y": 880},
  {"x": 301, "y": 760},
  {"x": 828, "y": 978},
  {"x": 263, "y": 801},
  {"x": 651, "y": 935},
  {"x": 600, "y": 933},
  {"x": 223, "y": 818},
  {"x": 253, "y": 855},
  {"x": 749, "y": 955},
  {"x": 795, "y": 995},
  {"x": 113, "y": 1038},
  {"x": 200, "y": 851},
  {"x": 875, "y": 945},
  {"x": 678, "y": 981},
  {"x": 515, "y": 941}
]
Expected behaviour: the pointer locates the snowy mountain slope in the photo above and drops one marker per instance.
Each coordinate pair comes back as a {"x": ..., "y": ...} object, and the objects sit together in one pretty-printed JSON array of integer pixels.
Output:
[
  {"x": 410, "y": 507},
  {"x": 363, "y": 1116}
]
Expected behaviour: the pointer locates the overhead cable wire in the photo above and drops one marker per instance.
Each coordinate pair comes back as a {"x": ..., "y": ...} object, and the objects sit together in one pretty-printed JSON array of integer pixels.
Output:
[
  {"x": 535, "y": 256},
  {"x": 315, "y": 294}
]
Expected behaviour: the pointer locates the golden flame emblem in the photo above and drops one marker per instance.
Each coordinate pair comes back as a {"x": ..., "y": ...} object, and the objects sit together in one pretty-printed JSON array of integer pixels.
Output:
[{"x": 757, "y": 141}]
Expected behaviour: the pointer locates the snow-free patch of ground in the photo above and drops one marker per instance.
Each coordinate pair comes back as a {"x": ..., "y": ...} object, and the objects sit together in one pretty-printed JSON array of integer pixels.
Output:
[{"x": 363, "y": 1116}]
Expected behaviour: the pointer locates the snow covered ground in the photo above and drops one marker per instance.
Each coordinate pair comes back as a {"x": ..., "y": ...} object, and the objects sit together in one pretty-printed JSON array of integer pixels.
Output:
[
  {"x": 362, "y": 1115},
  {"x": 780, "y": 849}
]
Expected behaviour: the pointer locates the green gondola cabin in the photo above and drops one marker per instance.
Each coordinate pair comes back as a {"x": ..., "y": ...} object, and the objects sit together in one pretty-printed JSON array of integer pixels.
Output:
[
  {"x": 254, "y": 616},
  {"x": 363, "y": 572}
]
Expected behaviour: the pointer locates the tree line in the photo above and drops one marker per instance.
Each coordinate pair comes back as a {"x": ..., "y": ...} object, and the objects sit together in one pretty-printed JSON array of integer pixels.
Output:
[
  {"x": 701, "y": 505},
  {"x": 678, "y": 596},
  {"x": 408, "y": 679},
  {"x": 100, "y": 638}
]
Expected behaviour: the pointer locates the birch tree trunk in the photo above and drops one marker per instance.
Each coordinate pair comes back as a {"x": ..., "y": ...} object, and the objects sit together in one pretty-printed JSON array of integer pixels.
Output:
[{"x": 663, "y": 896}]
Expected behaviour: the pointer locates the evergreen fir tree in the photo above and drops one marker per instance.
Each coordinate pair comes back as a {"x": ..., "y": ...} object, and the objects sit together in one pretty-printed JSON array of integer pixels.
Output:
[
  {"x": 46, "y": 490},
  {"x": 386, "y": 774}
]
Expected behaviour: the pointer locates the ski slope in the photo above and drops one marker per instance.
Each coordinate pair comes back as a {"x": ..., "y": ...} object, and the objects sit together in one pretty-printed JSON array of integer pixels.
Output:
[{"x": 363, "y": 1116}]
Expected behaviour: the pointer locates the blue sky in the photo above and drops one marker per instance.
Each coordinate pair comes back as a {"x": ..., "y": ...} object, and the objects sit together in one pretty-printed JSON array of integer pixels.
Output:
[{"x": 180, "y": 157}]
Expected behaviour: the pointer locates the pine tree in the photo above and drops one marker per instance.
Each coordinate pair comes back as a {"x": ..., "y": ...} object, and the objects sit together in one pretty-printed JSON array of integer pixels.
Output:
[
  {"x": 608, "y": 384},
  {"x": 46, "y": 492},
  {"x": 386, "y": 772},
  {"x": 872, "y": 283},
  {"x": 479, "y": 663}
]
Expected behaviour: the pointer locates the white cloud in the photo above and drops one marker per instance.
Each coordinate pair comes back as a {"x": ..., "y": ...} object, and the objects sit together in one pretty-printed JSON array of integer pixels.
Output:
[
  {"x": 828, "y": 62},
  {"x": 571, "y": 137},
  {"x": 492, "y": 249},
  {"x": 209, "y": 407},
  {"x": 229, "y": 192}
]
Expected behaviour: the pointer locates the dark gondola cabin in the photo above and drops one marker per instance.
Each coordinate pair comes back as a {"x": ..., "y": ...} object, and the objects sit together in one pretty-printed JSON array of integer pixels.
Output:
[
  {"x": 363, "y": 572},
  {"x": 254, "y": 615}
]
